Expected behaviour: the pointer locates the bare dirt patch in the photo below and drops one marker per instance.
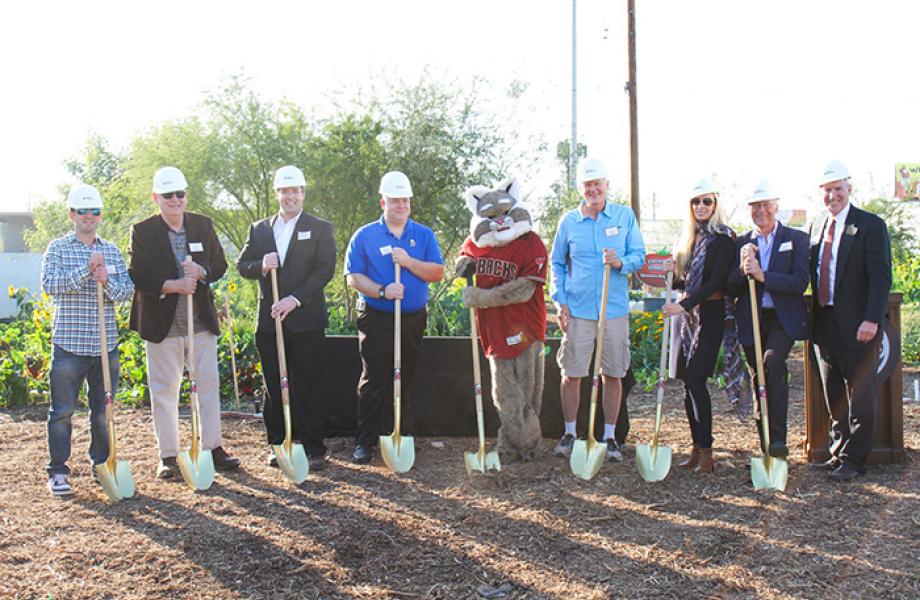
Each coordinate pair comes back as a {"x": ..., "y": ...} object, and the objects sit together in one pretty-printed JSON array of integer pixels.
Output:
[{"x": 533, "y": 531}]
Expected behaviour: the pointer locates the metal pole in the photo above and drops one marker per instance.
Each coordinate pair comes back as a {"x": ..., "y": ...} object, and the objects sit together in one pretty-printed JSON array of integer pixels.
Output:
[
  {"x": 633, "y": 118},
  {"x": 573, "y": 151}
]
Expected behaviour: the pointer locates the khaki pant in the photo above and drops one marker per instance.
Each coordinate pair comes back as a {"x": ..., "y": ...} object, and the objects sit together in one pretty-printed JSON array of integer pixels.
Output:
[{"x": 165, "y": 362}]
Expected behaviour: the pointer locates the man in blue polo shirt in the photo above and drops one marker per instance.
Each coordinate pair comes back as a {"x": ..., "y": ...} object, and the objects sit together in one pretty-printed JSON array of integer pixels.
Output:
[
  {"x": 588, "y": 237},
  {"x": 370, "y": 261}
]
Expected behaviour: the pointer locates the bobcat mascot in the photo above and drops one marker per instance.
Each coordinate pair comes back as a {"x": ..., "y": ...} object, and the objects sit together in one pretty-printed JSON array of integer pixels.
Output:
[{"x": 509, "y": 261}]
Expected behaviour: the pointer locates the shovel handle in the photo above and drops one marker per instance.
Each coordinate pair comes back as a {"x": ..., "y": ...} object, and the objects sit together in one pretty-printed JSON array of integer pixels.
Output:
[
  {"x": 397, "y": 358},
  {"x": 106, "y": 374},
  {"x": 761, "y": 380},
  {"x": 663, "y": 367},
  {"x": 598, "y": 354},
  {"x": 192, "y": 376},
  {"x": 282, "y": 366},
  {"x": 477, "y": 375}
]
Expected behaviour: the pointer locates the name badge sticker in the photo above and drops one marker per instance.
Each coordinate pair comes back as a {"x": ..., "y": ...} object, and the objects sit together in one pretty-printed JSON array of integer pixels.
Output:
[
  {"x": 195, "y": 247},
  {"x": 612, "y": 231},
  {"x": 514, "y": 339},
  {"x": 303, "y": 235},
  {"x": 384, "y": 250},
  {"x": 785, "y": 247}
]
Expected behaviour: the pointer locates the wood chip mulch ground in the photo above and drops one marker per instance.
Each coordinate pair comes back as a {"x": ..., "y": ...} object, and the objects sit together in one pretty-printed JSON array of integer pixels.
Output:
[{"x": 532, "y": 531}]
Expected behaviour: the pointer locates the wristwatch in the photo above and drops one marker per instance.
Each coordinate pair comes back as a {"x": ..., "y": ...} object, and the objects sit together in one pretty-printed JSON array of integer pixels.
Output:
[{"x": 382, "y": 293}]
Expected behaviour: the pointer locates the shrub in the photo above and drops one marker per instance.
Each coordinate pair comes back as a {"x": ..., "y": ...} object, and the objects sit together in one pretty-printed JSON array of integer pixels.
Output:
[{"x": 910, "y": 334}]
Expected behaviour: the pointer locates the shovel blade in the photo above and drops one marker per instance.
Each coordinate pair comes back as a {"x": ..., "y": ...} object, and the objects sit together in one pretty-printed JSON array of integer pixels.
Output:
[
  {"x": 585, "y": 462},
  {"x": 769, "y": 473},
  {"x": 489, "y": 462},
  {"x": 653, "y": 463},
  {"x": 398, "y": 452},
  {"x": 293, "y": 464},
  {"x": 117, "y": 484},
  {"x": 198, "y": 474}
]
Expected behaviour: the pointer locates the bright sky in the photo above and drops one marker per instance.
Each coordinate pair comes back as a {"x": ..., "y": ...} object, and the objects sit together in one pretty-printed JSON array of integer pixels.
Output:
[{"x": 740, "y": 89}]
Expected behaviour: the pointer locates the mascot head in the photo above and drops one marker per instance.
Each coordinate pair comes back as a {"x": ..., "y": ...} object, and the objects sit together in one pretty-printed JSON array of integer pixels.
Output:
[{"x": 498, "y": 217}]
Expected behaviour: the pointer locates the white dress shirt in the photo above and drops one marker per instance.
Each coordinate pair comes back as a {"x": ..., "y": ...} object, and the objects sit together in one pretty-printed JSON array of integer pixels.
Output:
[
  {"x": 284, "y": 231},
  {"x": 841, "y": 219}
]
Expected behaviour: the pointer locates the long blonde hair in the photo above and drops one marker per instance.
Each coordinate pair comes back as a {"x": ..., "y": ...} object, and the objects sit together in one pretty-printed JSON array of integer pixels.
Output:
[{"x": 684, "y": 246}]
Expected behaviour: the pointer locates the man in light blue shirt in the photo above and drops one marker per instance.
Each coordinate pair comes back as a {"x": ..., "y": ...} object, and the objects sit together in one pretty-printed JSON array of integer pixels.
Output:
[{"x": 588, "y": 237}]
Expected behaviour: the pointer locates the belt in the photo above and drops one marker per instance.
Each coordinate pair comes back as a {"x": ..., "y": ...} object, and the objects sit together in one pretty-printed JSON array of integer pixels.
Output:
[{"x": 717, "y": 295}]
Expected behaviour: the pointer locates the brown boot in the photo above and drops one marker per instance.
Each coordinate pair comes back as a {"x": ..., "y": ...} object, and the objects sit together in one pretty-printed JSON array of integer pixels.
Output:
[
  {"x": 693, "y": 460},
  {"x": 706, "y": 464}
]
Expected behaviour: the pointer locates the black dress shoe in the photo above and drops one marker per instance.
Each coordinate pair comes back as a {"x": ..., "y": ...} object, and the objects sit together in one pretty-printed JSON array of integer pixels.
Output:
[
  {"x": 846, "y": 472},
  {"x": 317, "y": 462},
  {"x": 223, "y": 461},
  {"x": 778, "y": 450},
  {"x": 362, "y": 454},
  {"x": 829, "y": 465}
]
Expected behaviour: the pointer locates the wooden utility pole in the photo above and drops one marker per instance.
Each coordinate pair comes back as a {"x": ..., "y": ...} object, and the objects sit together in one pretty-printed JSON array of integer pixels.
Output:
[
  {"x": 633, "y": 117},
  {"x": 573, "y": 151}
]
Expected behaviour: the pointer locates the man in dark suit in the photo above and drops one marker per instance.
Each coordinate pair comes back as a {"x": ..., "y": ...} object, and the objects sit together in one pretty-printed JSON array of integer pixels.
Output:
[
  {"x": 301, "y": 247},
  {"x": 776, "y": 257},
  {"x": 851, "y": 278},
  {"x": 159, "y": 313}
]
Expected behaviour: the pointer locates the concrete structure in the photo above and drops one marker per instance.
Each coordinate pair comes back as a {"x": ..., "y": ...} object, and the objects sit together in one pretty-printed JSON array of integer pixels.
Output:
[{"x": 18, "y": 268}]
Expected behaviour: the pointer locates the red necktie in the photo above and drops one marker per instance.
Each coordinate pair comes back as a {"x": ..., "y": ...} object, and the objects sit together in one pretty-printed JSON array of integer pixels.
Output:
[{"x": 824, "y": 279}]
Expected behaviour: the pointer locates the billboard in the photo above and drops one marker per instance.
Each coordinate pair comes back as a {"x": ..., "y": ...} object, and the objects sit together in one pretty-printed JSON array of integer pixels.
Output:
[{"x": 907, "y": 181}]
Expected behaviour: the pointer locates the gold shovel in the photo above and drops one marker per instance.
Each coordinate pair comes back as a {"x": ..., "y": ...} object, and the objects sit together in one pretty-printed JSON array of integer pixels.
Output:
[
  {"x": 481, "y": 460},
  {"x": 292, "y": 460},
  {"x": 196, "y": 464},
  {"x": 654, "y": 461},
  {"x": 767, "y": 472},
  {"x": 588, "y": 456},
  {"x": 398, "y": 451},
  {"x": 114, "y": 475}
]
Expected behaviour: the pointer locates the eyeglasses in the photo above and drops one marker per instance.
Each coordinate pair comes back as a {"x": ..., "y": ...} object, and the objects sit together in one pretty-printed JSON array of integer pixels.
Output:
[
  {"x": 705, "y": 201},
  {"x": 84, "y": 211},
  {"x": 169, "y": 195}
]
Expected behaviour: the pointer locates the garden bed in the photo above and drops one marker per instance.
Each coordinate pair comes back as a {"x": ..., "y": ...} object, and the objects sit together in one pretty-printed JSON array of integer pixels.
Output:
[{"x": 532, "y": 531}]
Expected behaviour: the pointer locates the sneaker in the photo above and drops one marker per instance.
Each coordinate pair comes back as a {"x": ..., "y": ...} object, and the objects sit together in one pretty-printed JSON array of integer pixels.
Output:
[
  {"x": 564, "y": 447},
  {"x": 168, "y": 468},
  {"x": 59, "y": 485},
  {"x": 272, "y": 459},
  {"x": 613, "y": 450}
]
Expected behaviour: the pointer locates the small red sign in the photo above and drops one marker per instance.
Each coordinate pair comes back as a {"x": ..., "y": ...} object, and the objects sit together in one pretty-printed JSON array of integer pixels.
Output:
[{"x": 652, "y": 272}]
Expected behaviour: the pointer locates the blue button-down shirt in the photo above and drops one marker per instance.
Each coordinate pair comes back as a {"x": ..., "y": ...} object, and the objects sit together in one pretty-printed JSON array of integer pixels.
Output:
[
  {"x": 578, "y": 260},
  {"x": 370, "y": 253},
  {"x": 765, "y": 247},
  {"x": 66, "y": 278}
]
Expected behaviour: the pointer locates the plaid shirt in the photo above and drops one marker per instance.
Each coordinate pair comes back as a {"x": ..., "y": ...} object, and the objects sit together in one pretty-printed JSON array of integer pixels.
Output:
[{"x": 66, "y": 277}]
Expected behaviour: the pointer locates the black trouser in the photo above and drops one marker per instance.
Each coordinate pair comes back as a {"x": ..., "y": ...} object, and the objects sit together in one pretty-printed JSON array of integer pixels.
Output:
[
  {"x": 306, "y": 357},
  {"x": 375, "y": 388},
  {"x": 775, "y": 345},
  {"x": 850, "y": 381},
  {"x": 697, "y": 402}
]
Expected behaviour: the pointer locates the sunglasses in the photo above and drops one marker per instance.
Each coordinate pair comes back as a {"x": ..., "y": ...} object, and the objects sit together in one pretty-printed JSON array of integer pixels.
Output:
[
  {"x": 85, "y": 211},
  {"x": 704, "y": 201},
  {"x": 169, "y": 195}
]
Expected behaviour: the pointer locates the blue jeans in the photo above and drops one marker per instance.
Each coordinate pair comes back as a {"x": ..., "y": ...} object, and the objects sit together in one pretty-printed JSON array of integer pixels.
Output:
[{"x": 68, "y": 371}]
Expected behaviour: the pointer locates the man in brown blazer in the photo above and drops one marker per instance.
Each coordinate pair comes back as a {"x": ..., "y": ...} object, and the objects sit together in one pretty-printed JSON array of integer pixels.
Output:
[
  {"x": 162, "y": 282},
  {"x": 302, "y": 249}
]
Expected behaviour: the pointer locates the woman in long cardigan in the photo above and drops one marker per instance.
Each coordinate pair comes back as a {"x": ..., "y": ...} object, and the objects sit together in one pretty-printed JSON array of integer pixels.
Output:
[{"x": 702, "y": 261}]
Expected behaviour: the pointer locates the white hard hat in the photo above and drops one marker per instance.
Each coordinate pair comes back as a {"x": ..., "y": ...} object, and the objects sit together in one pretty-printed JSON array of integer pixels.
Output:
[
  {"x": 834, "y": 171},
  {"x": 395, "y": 184},
  {"x": 169, "y": 179},
  {"x": 289, "y": 176},
  {"x": 763, "y": 191},
  {"x": 84, "y": 196},
  {"x": 703, "y": 186},
  {"x": 591, "y": 169}
]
